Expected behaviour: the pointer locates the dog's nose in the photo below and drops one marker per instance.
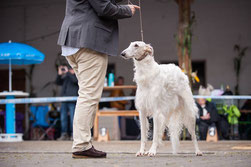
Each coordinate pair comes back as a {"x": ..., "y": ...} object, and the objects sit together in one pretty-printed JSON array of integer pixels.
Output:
[{"x": 123, "y": 54}]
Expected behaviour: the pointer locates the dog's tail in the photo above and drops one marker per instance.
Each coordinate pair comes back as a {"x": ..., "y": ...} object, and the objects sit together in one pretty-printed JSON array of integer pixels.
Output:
[{"x": 190, "y": 107}]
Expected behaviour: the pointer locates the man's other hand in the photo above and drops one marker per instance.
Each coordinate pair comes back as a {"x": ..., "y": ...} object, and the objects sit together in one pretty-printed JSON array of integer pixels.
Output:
[{"x": 133, "y": 8}]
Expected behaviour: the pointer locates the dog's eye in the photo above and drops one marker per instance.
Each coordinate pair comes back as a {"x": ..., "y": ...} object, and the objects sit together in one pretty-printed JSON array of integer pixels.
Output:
[{"x": 136, "y": 45}]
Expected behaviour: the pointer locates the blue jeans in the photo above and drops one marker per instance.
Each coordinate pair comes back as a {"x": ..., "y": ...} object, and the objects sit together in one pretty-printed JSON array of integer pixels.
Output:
[{"x": 65, "y": 108}]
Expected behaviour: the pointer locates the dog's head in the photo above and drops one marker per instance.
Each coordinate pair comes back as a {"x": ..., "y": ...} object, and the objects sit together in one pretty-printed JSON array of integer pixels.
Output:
[{"x": 138, "y": 50}]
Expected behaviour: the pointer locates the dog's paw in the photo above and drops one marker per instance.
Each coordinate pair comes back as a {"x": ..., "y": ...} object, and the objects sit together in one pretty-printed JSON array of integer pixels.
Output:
[
  {"x": 151, "y": 153},
  {"x": 198, "y": 153},
  {"x": 140, "y": 153}
]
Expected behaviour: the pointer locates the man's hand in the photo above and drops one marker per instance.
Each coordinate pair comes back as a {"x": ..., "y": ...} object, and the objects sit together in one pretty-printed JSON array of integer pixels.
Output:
[
  {"x": 206, "y": 117},
  {"x": 71, "y": 71},
  {"x": 133, "y": 8}
]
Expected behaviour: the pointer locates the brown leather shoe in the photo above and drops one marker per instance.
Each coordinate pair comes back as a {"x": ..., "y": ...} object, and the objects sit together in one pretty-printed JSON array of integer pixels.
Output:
[{"x": 91, "y": 153}]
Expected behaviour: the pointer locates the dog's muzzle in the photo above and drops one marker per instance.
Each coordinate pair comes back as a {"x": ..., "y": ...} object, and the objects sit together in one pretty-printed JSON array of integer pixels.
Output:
[{"x": 123, "y": 54}]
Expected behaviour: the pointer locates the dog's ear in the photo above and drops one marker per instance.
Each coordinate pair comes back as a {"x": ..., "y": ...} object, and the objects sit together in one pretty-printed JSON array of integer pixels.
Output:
[{"x": 148, "y": 49}]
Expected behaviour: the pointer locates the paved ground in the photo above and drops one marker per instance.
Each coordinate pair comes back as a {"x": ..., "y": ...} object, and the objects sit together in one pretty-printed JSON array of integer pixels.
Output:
[{"x": 122, "y": 153}]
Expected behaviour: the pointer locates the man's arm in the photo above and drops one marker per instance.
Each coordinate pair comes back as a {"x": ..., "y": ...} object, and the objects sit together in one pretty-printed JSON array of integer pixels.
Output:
[
  {"x": 213, "y": 113},
  {"x": 105, "y": 8},
  {"x": 198, "y": 114}
]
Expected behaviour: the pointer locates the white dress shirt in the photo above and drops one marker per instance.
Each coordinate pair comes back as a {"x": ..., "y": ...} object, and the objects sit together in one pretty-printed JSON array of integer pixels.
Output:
[{"x": 67, "y": 50}]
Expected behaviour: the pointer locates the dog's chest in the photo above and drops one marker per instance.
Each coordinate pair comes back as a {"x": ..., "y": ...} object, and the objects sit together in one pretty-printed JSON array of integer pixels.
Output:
[
  {"x": 147, "y": 97},
  {"x": 154, "y": 94}
]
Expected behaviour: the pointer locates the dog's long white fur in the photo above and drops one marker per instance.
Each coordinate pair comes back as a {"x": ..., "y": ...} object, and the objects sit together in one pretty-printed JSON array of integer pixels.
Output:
[{"x": 163, "y": 93}]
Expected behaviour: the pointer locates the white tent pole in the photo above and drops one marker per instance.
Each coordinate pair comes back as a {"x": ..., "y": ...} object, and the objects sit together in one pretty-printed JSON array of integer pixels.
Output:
[{"x": 10, "y": 77}]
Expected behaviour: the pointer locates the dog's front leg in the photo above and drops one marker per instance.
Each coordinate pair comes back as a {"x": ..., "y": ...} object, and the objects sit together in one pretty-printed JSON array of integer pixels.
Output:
[
  {"x": 143, "y": 130},
  {"x": 156, "y": 136}
]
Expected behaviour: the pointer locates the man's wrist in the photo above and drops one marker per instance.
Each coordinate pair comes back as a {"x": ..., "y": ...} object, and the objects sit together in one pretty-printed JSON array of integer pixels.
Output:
[{"x": 129, "y": 10}]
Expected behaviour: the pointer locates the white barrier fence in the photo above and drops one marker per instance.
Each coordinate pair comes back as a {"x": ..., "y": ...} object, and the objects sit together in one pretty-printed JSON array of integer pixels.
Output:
[{"x": 103, "y": 99}]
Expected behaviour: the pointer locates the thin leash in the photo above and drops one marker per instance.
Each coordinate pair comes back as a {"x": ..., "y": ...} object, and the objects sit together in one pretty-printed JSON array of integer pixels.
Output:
[{"x": 140, "y": 19}]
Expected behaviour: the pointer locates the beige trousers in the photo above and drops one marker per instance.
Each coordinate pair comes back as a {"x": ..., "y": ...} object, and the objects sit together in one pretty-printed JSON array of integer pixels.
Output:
[{"x": 90, "y": 69}]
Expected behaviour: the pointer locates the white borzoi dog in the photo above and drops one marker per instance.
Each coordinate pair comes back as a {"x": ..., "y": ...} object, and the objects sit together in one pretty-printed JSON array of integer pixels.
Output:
[{"x": 163, "y": 93}]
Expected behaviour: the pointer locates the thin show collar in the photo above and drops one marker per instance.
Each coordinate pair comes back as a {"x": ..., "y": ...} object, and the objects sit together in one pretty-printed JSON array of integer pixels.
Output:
[{"x": 142, "y": 57}]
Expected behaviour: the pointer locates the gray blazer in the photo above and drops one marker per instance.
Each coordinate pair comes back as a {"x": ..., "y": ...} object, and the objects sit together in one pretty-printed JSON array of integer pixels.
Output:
[{"x": 92, "y": 24}]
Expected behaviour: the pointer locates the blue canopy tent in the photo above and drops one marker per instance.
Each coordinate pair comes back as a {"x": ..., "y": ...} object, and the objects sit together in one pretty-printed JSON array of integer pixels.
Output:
[{"x": 17, "y": 54}]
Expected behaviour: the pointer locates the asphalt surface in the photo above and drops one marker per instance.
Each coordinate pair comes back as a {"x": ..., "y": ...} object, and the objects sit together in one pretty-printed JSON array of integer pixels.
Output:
[{"x": 122, "y": 153}]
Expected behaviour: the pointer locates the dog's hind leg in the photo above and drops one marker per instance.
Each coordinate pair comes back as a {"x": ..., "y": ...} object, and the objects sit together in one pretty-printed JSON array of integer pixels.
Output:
[
  {"x": 189, "y": 115},
  {"x": 190, "y": 125},
  {"x": 189, "y": 118},
  {"x": 144, "y": 125},
  {"x": 174, "y": 128}
]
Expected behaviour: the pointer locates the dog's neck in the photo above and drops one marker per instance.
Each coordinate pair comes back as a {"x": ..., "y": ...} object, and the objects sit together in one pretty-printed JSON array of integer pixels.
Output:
[
  {"x": 142, "y": 57},
  {"x": 144, "y": 60},
  {"x": 147, "y": 68}
]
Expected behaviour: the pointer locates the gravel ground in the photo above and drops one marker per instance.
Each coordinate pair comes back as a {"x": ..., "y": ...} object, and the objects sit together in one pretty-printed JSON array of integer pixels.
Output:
[
  {"x": 122, "y": 153},
  {"x": 121, "y": 160}
]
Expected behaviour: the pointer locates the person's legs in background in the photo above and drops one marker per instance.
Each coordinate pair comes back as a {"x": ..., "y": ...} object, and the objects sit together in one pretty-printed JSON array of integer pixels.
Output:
[
  {"x": 64, "y": 122},
  {"x": 203, "y": 128},
  {"x": 223, "y": 128},
  {"x": 71, "y": 107},
  {"x": 90, "y": 69}
]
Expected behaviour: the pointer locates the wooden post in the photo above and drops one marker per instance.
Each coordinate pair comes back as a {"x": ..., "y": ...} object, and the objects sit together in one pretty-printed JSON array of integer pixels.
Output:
[{"x": 184, "y": 37}]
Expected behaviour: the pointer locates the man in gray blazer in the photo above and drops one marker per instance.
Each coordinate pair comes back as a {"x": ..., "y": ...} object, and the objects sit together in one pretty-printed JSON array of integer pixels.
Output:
[{"x": 89, "y": 34}]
